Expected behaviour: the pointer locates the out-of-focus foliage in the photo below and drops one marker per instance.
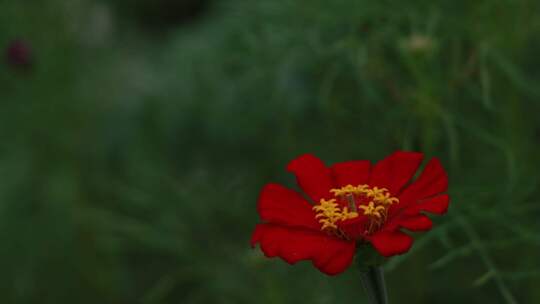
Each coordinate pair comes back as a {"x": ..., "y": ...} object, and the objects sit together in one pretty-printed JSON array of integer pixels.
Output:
[{"x": 133, "y": 147}]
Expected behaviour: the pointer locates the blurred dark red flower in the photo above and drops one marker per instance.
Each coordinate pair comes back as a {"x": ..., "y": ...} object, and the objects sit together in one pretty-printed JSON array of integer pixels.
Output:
[
  {"x": 354, "y": 202},
  {"x": 18, "y": 54}
]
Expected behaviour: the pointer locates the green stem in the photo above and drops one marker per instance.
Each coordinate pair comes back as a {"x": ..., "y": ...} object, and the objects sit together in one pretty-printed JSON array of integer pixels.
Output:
[{"x": 374, "y": 284}]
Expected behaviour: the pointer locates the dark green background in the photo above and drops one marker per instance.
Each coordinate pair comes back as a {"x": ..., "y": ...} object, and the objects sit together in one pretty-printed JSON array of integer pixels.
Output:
[{"x": 133, "y": 149}]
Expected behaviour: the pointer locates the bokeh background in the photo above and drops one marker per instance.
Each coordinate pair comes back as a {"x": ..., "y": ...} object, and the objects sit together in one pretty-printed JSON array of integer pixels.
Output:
[{"x": 135, "y": 136}]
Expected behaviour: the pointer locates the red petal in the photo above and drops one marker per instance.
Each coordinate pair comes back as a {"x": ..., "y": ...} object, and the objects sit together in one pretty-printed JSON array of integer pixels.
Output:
[
  {"x": 418, "y": 222},
  {"x": 329, "y": 254},
  {"x": 437, "y": 205},
  {"x": 395, "y": 171},
  {"x": 339, "y": 262},
  {"x": 432, "y": 181},
  {"x": 389, "y": 243},
  {"x": 280, "y": 205},
  {"x": 351, "y": 173},
  {"x": 354, "y": 228},
  {"x": 312, "y": 176}
]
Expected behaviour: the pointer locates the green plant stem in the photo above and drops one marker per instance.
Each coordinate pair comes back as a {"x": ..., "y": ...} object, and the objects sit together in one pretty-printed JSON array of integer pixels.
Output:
[{"x": 374, "y": 284}]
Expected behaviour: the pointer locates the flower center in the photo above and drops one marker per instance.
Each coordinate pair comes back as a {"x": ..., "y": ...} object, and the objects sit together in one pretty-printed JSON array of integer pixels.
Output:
[{"x": 353, "y": 202}]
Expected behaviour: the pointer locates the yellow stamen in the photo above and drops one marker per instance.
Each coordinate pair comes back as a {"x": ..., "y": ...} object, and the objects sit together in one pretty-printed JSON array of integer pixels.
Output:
[
  {"x": 371, "y": 209},
  {"x": 329, "y": 213}
]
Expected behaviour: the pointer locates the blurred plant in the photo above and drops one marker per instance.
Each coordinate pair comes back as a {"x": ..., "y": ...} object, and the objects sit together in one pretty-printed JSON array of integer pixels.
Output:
[
  {"x": 418, "y": 43},
  {"x": 164, "y": 14},
  {"x": 128, "y": 165}
]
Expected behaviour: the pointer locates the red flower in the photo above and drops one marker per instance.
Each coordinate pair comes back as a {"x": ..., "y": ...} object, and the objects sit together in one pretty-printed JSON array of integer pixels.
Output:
[
  {"x": 354, "y": 202},
  {"x": 18, "y": 54}
]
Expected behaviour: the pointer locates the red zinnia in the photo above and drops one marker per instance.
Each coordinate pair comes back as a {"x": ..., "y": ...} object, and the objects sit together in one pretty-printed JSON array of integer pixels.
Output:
[{"x": 353, "y": 202}]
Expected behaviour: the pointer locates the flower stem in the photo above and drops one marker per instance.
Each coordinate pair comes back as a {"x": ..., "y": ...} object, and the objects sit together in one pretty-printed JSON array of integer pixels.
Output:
[{"x": 374, "y": 284}]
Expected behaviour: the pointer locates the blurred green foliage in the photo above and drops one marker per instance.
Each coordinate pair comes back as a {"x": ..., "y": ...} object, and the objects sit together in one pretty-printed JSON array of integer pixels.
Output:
[{"x": 132, "y": 151}]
